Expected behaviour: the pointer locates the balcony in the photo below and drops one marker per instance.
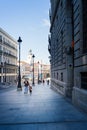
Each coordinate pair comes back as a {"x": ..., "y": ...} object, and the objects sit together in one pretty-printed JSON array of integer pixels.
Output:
[
  {"x": 1, "y": 52},
  {"x": 49, "y": 39},
  {"x": 50, "y": 15},
  {"x": 49, "y": 48},
  {"x": 10, "y": 54},
  {"x": 7, "y": 44}
]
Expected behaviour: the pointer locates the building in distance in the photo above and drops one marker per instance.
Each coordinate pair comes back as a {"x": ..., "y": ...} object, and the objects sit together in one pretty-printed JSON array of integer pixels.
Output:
[{"x": 8, "y": 58}]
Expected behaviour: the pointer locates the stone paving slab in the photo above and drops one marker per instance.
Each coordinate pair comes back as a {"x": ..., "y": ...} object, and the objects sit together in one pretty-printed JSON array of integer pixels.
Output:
[
  {"x": 47, "y": 126},
  {"x": 43, "y": 109}
]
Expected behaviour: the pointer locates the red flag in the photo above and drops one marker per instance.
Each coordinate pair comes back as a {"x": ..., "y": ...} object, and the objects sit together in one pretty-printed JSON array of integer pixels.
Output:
[{"x": 72, "y": 44}]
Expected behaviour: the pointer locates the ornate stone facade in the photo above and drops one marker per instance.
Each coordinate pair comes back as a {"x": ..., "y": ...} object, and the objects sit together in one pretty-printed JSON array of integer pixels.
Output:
[
  {"x": 68, "y": 49},
  {"x": 8, "y": 58}
]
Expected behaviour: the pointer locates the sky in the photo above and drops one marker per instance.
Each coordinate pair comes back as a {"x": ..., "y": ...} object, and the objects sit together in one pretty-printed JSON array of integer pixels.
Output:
[{"x": 28, "y": 19}]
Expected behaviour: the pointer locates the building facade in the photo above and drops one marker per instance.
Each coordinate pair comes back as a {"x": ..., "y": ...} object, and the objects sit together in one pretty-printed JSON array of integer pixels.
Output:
[
  {"x": 41, "y": 71},
  {"x": 45, "y": 71},
  {"x": 8, "y": 58},
  {"x": 68, "y": 49},
  {"x": 25, "y": 69},
  {"x": 29, "y": 58},
  {"x": 80, "y": 53}
]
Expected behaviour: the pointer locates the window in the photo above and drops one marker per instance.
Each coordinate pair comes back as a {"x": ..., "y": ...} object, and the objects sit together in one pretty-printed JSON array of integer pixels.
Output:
[
  {"x": 0, "y": 47},
  {"x": 84, "y": 4},
  {"x": 61, "y": 46},
  {"x": 61, "y": 76},
  {"x": 54, "y": 74},
  {"x": 61, "y": 4},
  {"x": 0, "y": 38},
  {"x": 57, "y": 75},
  {"x": 0, "y": 58},
  {"x": 84, "y": 80}
]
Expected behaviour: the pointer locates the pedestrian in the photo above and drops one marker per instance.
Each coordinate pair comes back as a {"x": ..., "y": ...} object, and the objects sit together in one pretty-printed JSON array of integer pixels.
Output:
[
  {"x": 26, "y": 85},
  {"x": 30, "y": 89},
  {"x": 43, "y": 81},
  {"x": 48, "y": 82}
]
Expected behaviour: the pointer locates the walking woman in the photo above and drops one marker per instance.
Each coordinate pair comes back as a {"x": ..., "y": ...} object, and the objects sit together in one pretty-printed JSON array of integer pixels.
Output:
[{"x": 26, "y": 84}]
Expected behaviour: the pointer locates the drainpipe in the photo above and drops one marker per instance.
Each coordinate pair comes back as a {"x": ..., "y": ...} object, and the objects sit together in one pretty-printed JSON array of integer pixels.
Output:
[{"x": 73, "y": 42}]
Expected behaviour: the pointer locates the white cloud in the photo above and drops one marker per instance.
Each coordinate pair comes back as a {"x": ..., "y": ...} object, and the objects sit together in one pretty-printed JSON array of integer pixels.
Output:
[{"x": 46, "y": 22}]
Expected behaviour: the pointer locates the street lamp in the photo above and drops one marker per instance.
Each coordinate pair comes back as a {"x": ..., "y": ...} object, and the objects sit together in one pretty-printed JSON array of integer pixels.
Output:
[
  {"x": 38, "y": 72},
  {"x": 33, "y": 56},
  {"x": 5, "y": 70},
  {"x": 2, "y": 65},
  {"x": 19, "y": 75},
  {"x": 41, "y": 72}
]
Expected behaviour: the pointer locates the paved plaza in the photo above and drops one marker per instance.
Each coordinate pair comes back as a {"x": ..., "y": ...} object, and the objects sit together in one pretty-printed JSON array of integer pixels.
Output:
[{"x": 44, "y": 109}]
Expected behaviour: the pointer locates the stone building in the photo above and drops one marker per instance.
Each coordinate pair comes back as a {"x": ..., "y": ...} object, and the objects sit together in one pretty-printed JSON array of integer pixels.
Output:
[
  {"x": 29, "y": 58},
  {"x": 80, "y": 53},
  {"x": 68, "y": 49},
  {"x": 8, "y": 58}
]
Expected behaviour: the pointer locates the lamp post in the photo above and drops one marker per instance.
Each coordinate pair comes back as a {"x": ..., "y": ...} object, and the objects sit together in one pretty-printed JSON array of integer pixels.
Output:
[
  {"x": 5, "y": 70},
  {"x": 38, "y": 72},
  {"x": 41, "y": 72},
  {"x": 2, "y": 72},
  {"x": 19, "y": 75},
  {"x": 33, "y": 56}
]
